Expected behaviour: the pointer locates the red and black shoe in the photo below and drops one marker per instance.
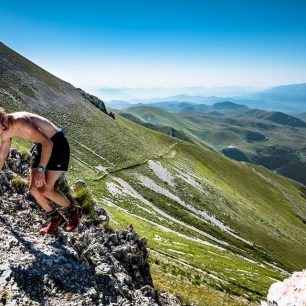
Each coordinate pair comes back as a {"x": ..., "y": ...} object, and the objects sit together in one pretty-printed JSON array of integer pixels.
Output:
[
  {"x": 74, "y": 219},
  {"x": 56, "y": 221}
]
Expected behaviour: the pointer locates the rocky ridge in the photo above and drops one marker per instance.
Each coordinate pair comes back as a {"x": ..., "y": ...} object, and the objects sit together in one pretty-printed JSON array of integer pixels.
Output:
[{"x": 94, "y": 266}]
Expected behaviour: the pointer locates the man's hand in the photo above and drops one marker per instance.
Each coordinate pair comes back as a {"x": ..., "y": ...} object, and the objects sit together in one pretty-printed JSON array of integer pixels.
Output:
[{"x": 40, "y": 179}]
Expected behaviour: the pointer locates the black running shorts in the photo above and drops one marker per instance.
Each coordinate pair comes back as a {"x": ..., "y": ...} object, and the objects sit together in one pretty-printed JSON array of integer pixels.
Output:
[{"x": 59, "y": 159}]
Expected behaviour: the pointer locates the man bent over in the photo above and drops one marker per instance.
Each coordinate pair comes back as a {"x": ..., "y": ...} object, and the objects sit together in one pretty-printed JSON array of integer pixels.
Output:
[{"x": 50, "y": 159}]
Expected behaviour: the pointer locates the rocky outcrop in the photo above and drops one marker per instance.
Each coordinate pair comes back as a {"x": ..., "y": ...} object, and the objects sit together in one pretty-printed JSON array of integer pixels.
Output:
[
  {"x": 93, "y": 100},
  {"x": 94, "y": 266},
  {"x": 290, "y": 292}
]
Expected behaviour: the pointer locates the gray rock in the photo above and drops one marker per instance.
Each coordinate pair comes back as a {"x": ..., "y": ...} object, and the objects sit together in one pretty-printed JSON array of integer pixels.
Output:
[
  {"x": 148, "y": 291},
  {"x": 80, "y": 184},
  {"x": 143, "y": 241},
  {"x": 6, "y": 274},
  {"x": 167, "y": 299},
  {"x": 89, "y": 267}
]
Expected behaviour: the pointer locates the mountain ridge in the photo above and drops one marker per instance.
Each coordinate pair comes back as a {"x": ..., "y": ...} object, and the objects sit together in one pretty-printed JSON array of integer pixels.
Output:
[{"x": 285, "y": 98}]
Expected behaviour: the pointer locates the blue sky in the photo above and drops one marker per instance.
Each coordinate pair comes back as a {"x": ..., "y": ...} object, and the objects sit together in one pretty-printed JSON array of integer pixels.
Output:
[{"x": 158, "y": 43}]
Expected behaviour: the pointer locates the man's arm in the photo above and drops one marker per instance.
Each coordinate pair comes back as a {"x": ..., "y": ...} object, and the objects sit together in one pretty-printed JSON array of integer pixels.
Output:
[{"x": 4, "y": 151}]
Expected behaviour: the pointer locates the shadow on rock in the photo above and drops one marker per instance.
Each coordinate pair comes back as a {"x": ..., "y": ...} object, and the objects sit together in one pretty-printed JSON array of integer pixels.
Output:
[{"x": 55, "y": 273}]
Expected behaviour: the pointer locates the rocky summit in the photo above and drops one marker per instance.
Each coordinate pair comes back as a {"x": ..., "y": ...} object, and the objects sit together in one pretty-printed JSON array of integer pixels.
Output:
[{"x": 96, "y": 265}]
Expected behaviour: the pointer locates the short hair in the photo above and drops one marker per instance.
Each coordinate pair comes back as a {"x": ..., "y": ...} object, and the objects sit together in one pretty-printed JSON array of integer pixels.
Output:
[{"x": 4, "y": 115}]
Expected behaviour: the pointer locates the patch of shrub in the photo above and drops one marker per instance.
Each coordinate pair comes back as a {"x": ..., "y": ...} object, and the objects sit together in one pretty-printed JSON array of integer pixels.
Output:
[
  {"x": 19, "y": 182},
  {"x": 25, "y": 155},
  {"x": 85, "y": 199},
  {"x": 5, "y": 296}
]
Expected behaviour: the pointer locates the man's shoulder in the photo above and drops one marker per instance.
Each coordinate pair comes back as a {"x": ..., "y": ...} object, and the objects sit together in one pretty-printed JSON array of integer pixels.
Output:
[
  {"x": 20, "y": 121},
  {"x": 19, "y": 124}
]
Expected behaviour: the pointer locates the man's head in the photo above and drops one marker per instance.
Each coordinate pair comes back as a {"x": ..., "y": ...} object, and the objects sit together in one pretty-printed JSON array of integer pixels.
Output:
[{"x": 6, "y": 120}]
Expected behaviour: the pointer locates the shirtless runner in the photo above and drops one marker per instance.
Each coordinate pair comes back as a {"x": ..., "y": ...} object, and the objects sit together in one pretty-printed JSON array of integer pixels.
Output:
[{"x": 50, "y": 159}]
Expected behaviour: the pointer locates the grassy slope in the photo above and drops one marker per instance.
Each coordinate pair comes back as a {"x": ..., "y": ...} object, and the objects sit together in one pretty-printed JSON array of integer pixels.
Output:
[
  {"x": 249, "y": 200},
  {"x": 257, "y": 204},
  {"x": 161, "y": 117},
  {"x": 283, "y": 150},
  {"x": 221, "y": 131},
  {"x": 201, "y": 127}
]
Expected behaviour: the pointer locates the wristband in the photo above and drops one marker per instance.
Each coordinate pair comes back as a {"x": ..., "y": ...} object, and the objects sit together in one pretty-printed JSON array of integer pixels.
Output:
[{"x": 41, "y": 169}]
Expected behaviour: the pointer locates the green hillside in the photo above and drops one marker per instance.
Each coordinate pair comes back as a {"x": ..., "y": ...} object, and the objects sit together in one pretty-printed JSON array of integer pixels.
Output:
[
  {"x": 168, "y": 130},
  {"x": 277, "y": 117},
  {"x": 272, "y": 139},
  {"x": 160, "y": 117},
  {"x": 219, "y": 231}
]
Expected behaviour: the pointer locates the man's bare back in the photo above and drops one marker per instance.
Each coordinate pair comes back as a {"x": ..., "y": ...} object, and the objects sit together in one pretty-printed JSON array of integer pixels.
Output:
[
  {"x": 29, "y": 127},
  {"x": 23, "y": 120}
]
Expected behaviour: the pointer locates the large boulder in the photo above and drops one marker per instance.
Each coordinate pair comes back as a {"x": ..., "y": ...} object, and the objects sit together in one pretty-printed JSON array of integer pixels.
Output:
[{"x": 290, "y": 292}]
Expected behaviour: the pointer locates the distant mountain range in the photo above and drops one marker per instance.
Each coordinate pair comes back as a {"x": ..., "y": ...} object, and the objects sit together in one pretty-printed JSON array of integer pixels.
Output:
[
  {"x": 293, "y": 95},
  {"x": 136, "y": 95},
  {"x": 287, "y": 98},
  {"x": 301, "y": 116}
]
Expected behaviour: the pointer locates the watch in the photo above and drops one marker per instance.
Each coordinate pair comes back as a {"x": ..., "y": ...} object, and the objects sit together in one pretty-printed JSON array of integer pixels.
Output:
[{"x": 41, "y": 169}]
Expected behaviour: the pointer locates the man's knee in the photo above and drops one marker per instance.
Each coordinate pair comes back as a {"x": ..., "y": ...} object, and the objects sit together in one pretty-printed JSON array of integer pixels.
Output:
[
  {"x": 46, "y": 190},
  {"x": 34, "y": 191}
]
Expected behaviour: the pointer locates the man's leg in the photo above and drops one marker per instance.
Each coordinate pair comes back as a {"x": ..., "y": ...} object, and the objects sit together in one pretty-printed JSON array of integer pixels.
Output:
[
  {"x": 49, "y": 192},
  {"x": 59, "y": 198},
  {"x": 36, "y": 193},
  {"x": 56, "y": 218}
]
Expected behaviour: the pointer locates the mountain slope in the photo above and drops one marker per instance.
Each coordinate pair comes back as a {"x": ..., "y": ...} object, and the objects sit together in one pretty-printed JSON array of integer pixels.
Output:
[
  {"x": 273, "y": 139},
  {"x": 63, "y": 103},
  {"x": 161, "y": 117},
  {"x": 277, "y": 117},
  {"x": 168, "y": 130},
  {"x": 183, "y": 107},
  {"x": 218, "y": 230}
]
